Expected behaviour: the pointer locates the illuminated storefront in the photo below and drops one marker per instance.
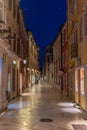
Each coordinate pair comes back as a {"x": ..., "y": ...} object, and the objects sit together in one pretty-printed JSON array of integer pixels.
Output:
[
  {"x": 80, "y": 93},
  {"x": 76, "y": 87},
  {"x": 82, "y": 81},
  {"x": 82, "y": 88}
]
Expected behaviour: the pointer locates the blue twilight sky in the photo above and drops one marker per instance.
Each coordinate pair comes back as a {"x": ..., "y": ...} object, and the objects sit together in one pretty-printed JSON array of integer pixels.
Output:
[{"x": 43, "y": 18}]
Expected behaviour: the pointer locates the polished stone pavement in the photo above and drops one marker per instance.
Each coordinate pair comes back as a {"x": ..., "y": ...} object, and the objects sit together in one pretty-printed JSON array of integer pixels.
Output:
[{"x": 42, "y": 102}]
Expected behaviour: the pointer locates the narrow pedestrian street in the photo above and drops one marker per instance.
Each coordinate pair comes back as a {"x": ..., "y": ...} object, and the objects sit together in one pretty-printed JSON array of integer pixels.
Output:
[{"x": 42, "y": 108}]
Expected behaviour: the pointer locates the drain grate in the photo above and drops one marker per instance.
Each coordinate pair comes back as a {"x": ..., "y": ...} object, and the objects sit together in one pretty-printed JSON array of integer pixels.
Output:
[
  {"x": 46, "y": 120},
  {"x": 79, "y": 126}
]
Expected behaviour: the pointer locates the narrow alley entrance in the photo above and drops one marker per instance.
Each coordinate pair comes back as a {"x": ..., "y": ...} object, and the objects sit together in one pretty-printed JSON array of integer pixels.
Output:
[{"x": 42, "y": 107}]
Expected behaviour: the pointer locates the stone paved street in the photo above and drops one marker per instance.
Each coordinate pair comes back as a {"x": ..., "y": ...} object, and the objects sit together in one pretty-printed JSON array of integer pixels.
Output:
[{"x": 42, "y": 102}]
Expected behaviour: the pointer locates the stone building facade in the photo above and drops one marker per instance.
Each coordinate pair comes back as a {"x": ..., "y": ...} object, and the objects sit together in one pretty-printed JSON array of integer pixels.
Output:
[
  {"x": 32, "y": 61},
  {"x": 77, "y": 43},
  {"x": 11, "y": 51}
]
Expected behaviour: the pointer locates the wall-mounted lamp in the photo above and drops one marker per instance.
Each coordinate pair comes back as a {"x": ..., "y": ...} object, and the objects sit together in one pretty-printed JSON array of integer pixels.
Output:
[
  {"x": 28, "y": 69},
  {"x": 14, "y": 62},
  {"x": 24, "y": 62},
  {"x": 32, "y": 70}
]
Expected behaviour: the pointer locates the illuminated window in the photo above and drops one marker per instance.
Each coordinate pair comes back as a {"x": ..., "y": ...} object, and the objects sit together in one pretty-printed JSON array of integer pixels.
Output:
[
  {"x": 82, "y": 80},
  {"x": 76, "y": 81}
]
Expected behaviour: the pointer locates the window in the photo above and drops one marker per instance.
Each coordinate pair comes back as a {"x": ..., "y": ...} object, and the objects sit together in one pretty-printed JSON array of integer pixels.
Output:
[
  {"x": 71, "y": 7},
  {"x": 82, "y": 81},
  {"x": 10, "y": 4},
  {"x": 74, "y": 44},
  {"x": 14, "y": 43},
  {"x": 76, "y": 80},
  {"x": 48, "y": 59},
  {"x": 72, "y": 39},
  {"x": 13, "y": 79},
  {"x": 14, "y": 8},
  {"x": 74, "y": 3},
  {"x": 1, "y": 11},
  {"x": 80, "y": 31},
  {"x": 10, "y": 43},
  {"x": 18, "y": 15},
  {"x": 85, "y": 21},
  {"x": 18, "y": 46}
]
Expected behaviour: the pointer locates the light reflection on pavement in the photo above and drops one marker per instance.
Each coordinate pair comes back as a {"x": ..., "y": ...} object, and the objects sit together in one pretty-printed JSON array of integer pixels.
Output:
[{"x": 43, "y": 101}]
